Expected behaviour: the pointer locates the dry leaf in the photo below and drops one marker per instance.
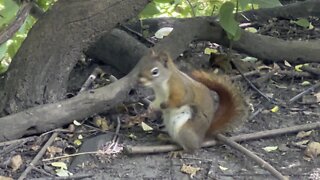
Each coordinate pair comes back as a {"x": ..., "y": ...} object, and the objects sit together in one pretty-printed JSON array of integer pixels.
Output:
[
  {"x": 77, "y": 142},
  {"x": 270, "y": 148},
  {"x": 16, "y": 162},
  {"x": 275, "y": 109},
  {"x": 75, "y": 122},
  {"x": 287, "y": 63},
  {"x": 298, "y": 67},
  {"x": 223, "y": 168},
  {"x": 63, "y": 172},
  {"x": 35, "y": 147},
  {"x": 5, "y": 178},
  {"x": 307, "y": 112},
  {"x": 313, "y": 150},
  {"x": 132, "y": 136},
  {"x": 251, "y": 29},
  {"x": 264, "y": 67},
  {"x": 146, "y": 127},
  {"x": 249, "y": 59},
  {"x": 208, "y": 51},
  {"x": 80, "y": 137},
  {"x": 60, "y": 165},
  {"x": 54, "y": 150},
  {"x": 276, "y": 66},
  {"x": 305, "y": 83},
  {"x": 102, "y": 123},
  {"x": 301, "y": 143},
  {"x": 317, "y": 95},
  {"x": 165, "y": 31},
  {"x": 303, "y": 134},
  {"x": 189, "y": 170}
]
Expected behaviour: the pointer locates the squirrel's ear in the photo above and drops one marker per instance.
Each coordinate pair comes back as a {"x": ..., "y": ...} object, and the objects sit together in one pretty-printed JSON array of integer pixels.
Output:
[{"x": 164, "y": 58}]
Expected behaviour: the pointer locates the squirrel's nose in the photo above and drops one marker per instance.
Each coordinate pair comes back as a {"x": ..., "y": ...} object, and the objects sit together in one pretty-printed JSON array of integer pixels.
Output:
[{"x": 142, "y": 80}]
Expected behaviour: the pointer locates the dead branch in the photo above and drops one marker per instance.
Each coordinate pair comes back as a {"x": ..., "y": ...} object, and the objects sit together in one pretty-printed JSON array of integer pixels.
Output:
[
  {"x": 265, "y": 165},
  {"x": 293, "y": 99},
  {"x": 263, "y": 47},
  {"x": 50, "y": 116},
  {"x": 77, "y": 176},
  {"x": 38, "y": 156},
  {"x": 244, "y": 137}
]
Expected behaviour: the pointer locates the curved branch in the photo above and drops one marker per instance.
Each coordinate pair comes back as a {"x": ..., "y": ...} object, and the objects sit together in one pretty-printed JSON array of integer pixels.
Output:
[{"x": 50, "y": 116}]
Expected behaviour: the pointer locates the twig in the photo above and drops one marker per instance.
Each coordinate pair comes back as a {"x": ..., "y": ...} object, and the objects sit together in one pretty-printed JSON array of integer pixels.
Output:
[
  {"x": 263, "y": 164},
  {"x": 275, "y": 132},
  {"x": 253, "y": 86},
  {"x": 254, "y": 114},
  {"x": 192, "y": 8},
  {"x": 293, "y": 73},
  {"x": 38, "y": 156},
  {"x": 11, "y": 147},
  {"x": 42, "y": 171},
  {"x": 12, "y": 28},
  {"x": 244, "y": 137},
  {"x": 90, "y": 79},
  {"x": 18, "y": 141},
  {"x": 56, "y": 130},
  {"x": 77, "y": 176},
  {"x": 304, "y": 92},
  {"x": 69, "y": 155},
  {"x": 137, "y": 34},
  {"x": 113, "y": 144},
  {"x": 251, "y": 73}
]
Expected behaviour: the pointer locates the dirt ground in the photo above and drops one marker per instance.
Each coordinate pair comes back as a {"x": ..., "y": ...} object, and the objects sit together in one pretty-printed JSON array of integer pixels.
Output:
[{"x": 218, "y": 162}]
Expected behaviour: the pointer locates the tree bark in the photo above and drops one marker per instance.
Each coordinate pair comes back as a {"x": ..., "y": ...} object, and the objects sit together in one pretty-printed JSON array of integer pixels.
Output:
[{"x": 40, "y": 70}]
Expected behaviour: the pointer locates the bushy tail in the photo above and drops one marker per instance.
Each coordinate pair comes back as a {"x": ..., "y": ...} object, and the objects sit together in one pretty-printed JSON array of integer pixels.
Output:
[{"x": 232, "y": 106}]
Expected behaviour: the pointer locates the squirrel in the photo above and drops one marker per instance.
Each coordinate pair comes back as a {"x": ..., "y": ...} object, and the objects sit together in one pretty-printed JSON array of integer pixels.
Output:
[{"x": 188, "y": 109}]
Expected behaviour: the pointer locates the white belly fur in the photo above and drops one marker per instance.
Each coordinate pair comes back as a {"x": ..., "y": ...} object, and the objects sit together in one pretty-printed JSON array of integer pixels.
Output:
[{"x": 174, "y": 119}]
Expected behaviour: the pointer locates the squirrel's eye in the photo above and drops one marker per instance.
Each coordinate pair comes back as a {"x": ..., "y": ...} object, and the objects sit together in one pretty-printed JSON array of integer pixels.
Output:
[{"x": 155, "y": 71}]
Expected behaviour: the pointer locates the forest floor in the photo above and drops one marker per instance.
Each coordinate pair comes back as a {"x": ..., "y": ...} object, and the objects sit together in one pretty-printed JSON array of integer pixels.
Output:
[{"x": 288, "y": 152}]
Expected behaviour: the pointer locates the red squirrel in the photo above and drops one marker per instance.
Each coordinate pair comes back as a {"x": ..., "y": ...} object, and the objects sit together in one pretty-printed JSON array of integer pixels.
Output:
[{"x": 189, "y": 112}]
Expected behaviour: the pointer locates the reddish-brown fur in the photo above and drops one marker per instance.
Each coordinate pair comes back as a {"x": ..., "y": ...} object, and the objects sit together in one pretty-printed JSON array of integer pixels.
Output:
[{"x": 231, "y": 104}]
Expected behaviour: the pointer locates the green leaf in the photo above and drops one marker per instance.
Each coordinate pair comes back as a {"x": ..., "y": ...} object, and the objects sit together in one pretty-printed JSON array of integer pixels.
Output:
[
  {"x": 163, "y": 1},
  {"x": 244, "y": 3},
  {"x": 45, "y": 4},
  {"x": 228, "y": 22},
  {"x": 150, "y": 10},
  {"x": 3, "y": 50},
  {"x": 12, "y": 49},
  {"x": 267, "y": 3},
  {"x": 8, "y": 12},
  {"x": 302, "y": 22}
]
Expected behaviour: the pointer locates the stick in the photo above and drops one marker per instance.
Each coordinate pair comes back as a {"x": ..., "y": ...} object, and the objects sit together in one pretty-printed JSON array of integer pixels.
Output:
[
  {"x": 38, "y": 156},
  {"x": 263, "y": 164},
  {"x": 315, "y": 86},
  {"x": 244, "y": 137}
]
